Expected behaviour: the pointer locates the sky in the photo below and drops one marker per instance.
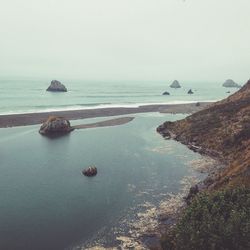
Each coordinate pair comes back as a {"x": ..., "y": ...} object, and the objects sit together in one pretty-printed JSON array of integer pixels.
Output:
[{"x": 197, "y": 40}]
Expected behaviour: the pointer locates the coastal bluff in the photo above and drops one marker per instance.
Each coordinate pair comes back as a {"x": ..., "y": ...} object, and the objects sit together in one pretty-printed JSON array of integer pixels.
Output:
[{"x": 222, "y": 130}]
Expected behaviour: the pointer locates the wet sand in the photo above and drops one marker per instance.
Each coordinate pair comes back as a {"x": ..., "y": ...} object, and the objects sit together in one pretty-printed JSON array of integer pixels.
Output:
[
  {"x": 38, "y": 118},
  {"x": 106, "y": 123}
]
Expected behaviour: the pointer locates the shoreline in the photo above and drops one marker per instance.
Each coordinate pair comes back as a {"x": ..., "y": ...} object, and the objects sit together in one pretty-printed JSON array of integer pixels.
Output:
[
  {"x": 15, "y": 120},
  {"x": 143, "y": 235}
]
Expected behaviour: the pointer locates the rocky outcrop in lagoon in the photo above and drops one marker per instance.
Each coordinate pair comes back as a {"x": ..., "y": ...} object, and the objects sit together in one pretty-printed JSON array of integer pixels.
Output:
[
  {"x": 166, "y": 93},
  {"x": 90, "y": 171},
  {"x": 56, "y": 86},
  {"x": 55, "y": 126},
  {"x": 190, "y": 92}
]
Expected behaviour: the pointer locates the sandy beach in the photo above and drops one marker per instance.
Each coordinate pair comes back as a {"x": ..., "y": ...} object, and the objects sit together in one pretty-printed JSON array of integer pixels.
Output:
[{"x": 14, "y": 120}]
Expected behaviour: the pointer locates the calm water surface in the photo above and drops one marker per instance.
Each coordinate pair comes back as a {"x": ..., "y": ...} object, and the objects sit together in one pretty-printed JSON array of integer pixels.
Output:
[{"x": 45, "y": 201}]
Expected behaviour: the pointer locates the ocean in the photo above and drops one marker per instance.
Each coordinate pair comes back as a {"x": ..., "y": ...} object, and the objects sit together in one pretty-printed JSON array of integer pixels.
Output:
[
  {"x": 24, "y": 96},
  {"x": 46, "y": 202}
]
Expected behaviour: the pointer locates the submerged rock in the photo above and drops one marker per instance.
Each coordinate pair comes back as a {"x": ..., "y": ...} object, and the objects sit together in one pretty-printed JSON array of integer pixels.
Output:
[
  {"x": 166, "y": 93},
  {"x": 190, "y": 92},
  {"x": 175, "y": 84},
  {"x": 90, "y": 171},
  {"x": 55, "y": 126},
  {"x": 230, "y": 84},
  {"x": 56, "y": 86}
]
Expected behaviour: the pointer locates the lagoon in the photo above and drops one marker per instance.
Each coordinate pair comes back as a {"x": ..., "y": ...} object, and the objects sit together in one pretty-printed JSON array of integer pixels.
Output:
[{"x": 46, "y": 202}]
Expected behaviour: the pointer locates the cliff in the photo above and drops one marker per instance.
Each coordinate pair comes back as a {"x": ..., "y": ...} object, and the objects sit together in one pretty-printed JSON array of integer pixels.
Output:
[{"x": 222, "y": 130}]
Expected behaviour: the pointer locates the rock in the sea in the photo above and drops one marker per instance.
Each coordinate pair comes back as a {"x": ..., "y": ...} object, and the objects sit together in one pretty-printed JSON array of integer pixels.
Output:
[
  {"x": 175, "y": 84},
  {"x": 90, "y": 171},
  {"x": 55, "y": 126},
  {"x": 190, "y": 92},
  {"x": 166, "y": 93},
  {"x": 230, "y": 84},
  {"x": 56, "y": 86}
]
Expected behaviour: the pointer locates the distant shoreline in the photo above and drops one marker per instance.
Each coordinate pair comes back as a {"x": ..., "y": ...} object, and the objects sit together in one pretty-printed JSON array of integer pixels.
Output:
[{"x": 14, "y": 120}]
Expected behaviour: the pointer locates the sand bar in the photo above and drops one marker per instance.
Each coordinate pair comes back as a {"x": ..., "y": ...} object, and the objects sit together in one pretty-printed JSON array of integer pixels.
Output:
[
  {"x": 106, "y": 123},
  {"x": 38, "y": 118}
]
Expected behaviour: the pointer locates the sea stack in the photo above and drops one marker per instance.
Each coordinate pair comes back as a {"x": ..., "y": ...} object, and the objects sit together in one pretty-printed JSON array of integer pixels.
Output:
[
  {"x": 230, "y": 84},
  {"x": 55, "y": 126},
  {"x": 56, "y": 86},
  {"x": 175, "y": 84},
  {"x": 190, "y": 92}
]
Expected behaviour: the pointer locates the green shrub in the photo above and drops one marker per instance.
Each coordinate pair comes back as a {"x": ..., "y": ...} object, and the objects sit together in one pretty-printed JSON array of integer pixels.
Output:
[{"x": 217, "y": 220}]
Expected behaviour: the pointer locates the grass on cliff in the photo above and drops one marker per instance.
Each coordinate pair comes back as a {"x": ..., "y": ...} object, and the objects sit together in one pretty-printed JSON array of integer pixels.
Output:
[{"x": 217, "y": 220}]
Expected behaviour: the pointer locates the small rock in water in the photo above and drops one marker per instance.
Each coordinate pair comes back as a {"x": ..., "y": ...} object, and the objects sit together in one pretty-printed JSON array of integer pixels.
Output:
[
  {"x": 190, "y": 92},
  {"x": 166, "y": 93},
  {"x": 90, "y": 171}
]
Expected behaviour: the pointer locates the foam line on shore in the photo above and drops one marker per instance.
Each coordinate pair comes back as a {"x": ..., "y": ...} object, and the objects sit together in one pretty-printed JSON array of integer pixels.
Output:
[{"x": 100, "y": 106}]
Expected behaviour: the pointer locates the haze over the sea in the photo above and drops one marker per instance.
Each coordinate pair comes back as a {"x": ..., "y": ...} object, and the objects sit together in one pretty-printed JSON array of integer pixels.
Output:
[
  {"x": 117, "y": 59},
  {"x": 126, "y": 40}
]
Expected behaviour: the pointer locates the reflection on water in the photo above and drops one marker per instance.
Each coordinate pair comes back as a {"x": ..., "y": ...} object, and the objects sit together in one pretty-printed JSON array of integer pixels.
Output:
[{"x": 46, "y": 203}]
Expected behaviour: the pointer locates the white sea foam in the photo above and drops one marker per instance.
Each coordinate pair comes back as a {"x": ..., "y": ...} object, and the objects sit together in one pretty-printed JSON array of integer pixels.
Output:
[{"x": 97, "y": 106}]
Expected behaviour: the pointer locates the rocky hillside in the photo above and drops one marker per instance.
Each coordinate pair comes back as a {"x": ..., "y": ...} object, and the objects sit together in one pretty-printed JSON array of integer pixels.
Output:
[{"x": 222, "y": 131}]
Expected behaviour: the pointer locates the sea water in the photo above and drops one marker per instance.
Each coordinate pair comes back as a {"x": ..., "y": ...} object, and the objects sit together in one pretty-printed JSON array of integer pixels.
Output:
[
  {"x": 30, "y": 95},
  {"x": 46, "y": 202}
]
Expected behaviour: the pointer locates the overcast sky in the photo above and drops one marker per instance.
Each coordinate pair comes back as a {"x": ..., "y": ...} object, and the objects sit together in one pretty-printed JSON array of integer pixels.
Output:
[{"x": 126, "y": 39}]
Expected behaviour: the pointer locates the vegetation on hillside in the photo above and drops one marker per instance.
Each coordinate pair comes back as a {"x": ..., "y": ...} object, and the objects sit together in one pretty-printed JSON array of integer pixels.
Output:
[{"x": 217, "y": 220}]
